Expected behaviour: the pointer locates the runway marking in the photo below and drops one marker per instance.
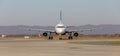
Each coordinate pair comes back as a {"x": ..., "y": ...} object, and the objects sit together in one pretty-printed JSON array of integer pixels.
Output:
[
  {"x": 117, "y": 42},
  {"x": 113, "y": 43},
  {"x": 66, "y": 42},
  {"x": 74, "y": 47}
]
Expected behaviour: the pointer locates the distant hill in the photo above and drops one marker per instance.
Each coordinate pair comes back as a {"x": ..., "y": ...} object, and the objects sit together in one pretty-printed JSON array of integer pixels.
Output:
[{"x": 96, "y": 29}]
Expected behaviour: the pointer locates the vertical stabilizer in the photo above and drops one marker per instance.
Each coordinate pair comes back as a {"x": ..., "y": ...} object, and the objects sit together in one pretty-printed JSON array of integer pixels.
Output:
[{"x": 60, "y": 16}]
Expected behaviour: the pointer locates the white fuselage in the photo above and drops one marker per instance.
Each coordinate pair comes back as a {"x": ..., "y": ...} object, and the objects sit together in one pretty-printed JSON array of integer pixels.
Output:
[{"x": 60, "y": 28}]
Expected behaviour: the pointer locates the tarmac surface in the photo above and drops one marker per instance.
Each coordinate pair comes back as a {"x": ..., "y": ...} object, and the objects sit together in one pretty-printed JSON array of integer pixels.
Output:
[{"x": 35, "y": 47}]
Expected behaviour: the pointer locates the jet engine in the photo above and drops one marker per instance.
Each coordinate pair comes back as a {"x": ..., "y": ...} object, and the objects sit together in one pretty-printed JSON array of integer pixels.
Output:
[
  {"x": 76, "y": 34},
  {"x": 45, "y": 34}
]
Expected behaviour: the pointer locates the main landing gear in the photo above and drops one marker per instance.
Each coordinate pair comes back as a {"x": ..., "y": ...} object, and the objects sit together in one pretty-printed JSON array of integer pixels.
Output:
[
  {"x": 50, "y": 37},
  {"x": 70, "y": 37}
]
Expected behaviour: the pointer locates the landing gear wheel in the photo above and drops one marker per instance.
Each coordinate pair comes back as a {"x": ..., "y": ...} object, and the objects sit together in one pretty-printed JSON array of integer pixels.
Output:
[
  {"x": 50, "y": 38},
  {"x": 60, "y": 38},
  {"x": 70, "y": 37}
]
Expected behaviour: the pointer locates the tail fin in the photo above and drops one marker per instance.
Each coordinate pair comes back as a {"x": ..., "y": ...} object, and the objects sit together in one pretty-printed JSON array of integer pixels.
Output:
[{"x": 60, "y": 16}]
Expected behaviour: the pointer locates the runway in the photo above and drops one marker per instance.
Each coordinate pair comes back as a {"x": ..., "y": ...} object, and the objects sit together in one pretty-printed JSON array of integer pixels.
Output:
[{"x": 57, "y": 48}]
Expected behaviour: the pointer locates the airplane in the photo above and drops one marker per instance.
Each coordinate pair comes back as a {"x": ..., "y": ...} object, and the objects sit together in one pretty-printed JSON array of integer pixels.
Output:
[{"x": 60, "y": 29}]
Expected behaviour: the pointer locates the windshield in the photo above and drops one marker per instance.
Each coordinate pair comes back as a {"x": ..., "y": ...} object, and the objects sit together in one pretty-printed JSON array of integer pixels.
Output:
[{"x": 60, "y": 26}]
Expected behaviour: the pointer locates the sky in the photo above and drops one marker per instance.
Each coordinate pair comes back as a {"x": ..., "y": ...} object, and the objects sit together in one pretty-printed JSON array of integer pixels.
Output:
[{"x": 46, "y": 12}]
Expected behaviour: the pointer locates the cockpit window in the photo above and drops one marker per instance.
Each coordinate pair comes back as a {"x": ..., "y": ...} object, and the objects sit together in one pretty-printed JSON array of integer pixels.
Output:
[{"x": 60, "y": 26}]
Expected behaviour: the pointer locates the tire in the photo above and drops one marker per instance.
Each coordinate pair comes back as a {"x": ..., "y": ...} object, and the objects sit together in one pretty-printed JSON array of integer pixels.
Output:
[
  {"x": 70, "y": 37},
  {"x": 60, "y": 38},
  {"x": 50, "y": 38}
]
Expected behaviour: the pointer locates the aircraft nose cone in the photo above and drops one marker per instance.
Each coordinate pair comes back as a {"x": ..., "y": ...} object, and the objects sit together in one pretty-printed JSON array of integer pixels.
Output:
[{"x": 60, "y": 31}]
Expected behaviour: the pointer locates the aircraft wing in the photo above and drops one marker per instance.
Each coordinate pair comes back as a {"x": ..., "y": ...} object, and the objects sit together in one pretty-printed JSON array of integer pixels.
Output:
[
  {"x": 86, "y": 30},
  {"x": 80, "y": 30},
  {"x": 41, "y": 30}
]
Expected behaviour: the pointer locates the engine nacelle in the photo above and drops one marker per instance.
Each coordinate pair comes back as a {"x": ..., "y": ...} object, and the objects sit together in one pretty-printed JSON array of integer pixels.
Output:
[
  {"x": 76, "y": 34},
  {"x": 45, "y": 34}
]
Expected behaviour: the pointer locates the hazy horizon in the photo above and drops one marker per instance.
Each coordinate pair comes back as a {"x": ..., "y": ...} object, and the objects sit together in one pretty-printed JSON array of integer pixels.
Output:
[{"x": 46, "y": 12}]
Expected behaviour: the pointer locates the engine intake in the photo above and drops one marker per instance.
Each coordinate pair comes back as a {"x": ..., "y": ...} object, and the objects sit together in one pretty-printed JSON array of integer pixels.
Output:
[
  {"x": 45, "y": 34},
  {"x": 76, "y": 34}
]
